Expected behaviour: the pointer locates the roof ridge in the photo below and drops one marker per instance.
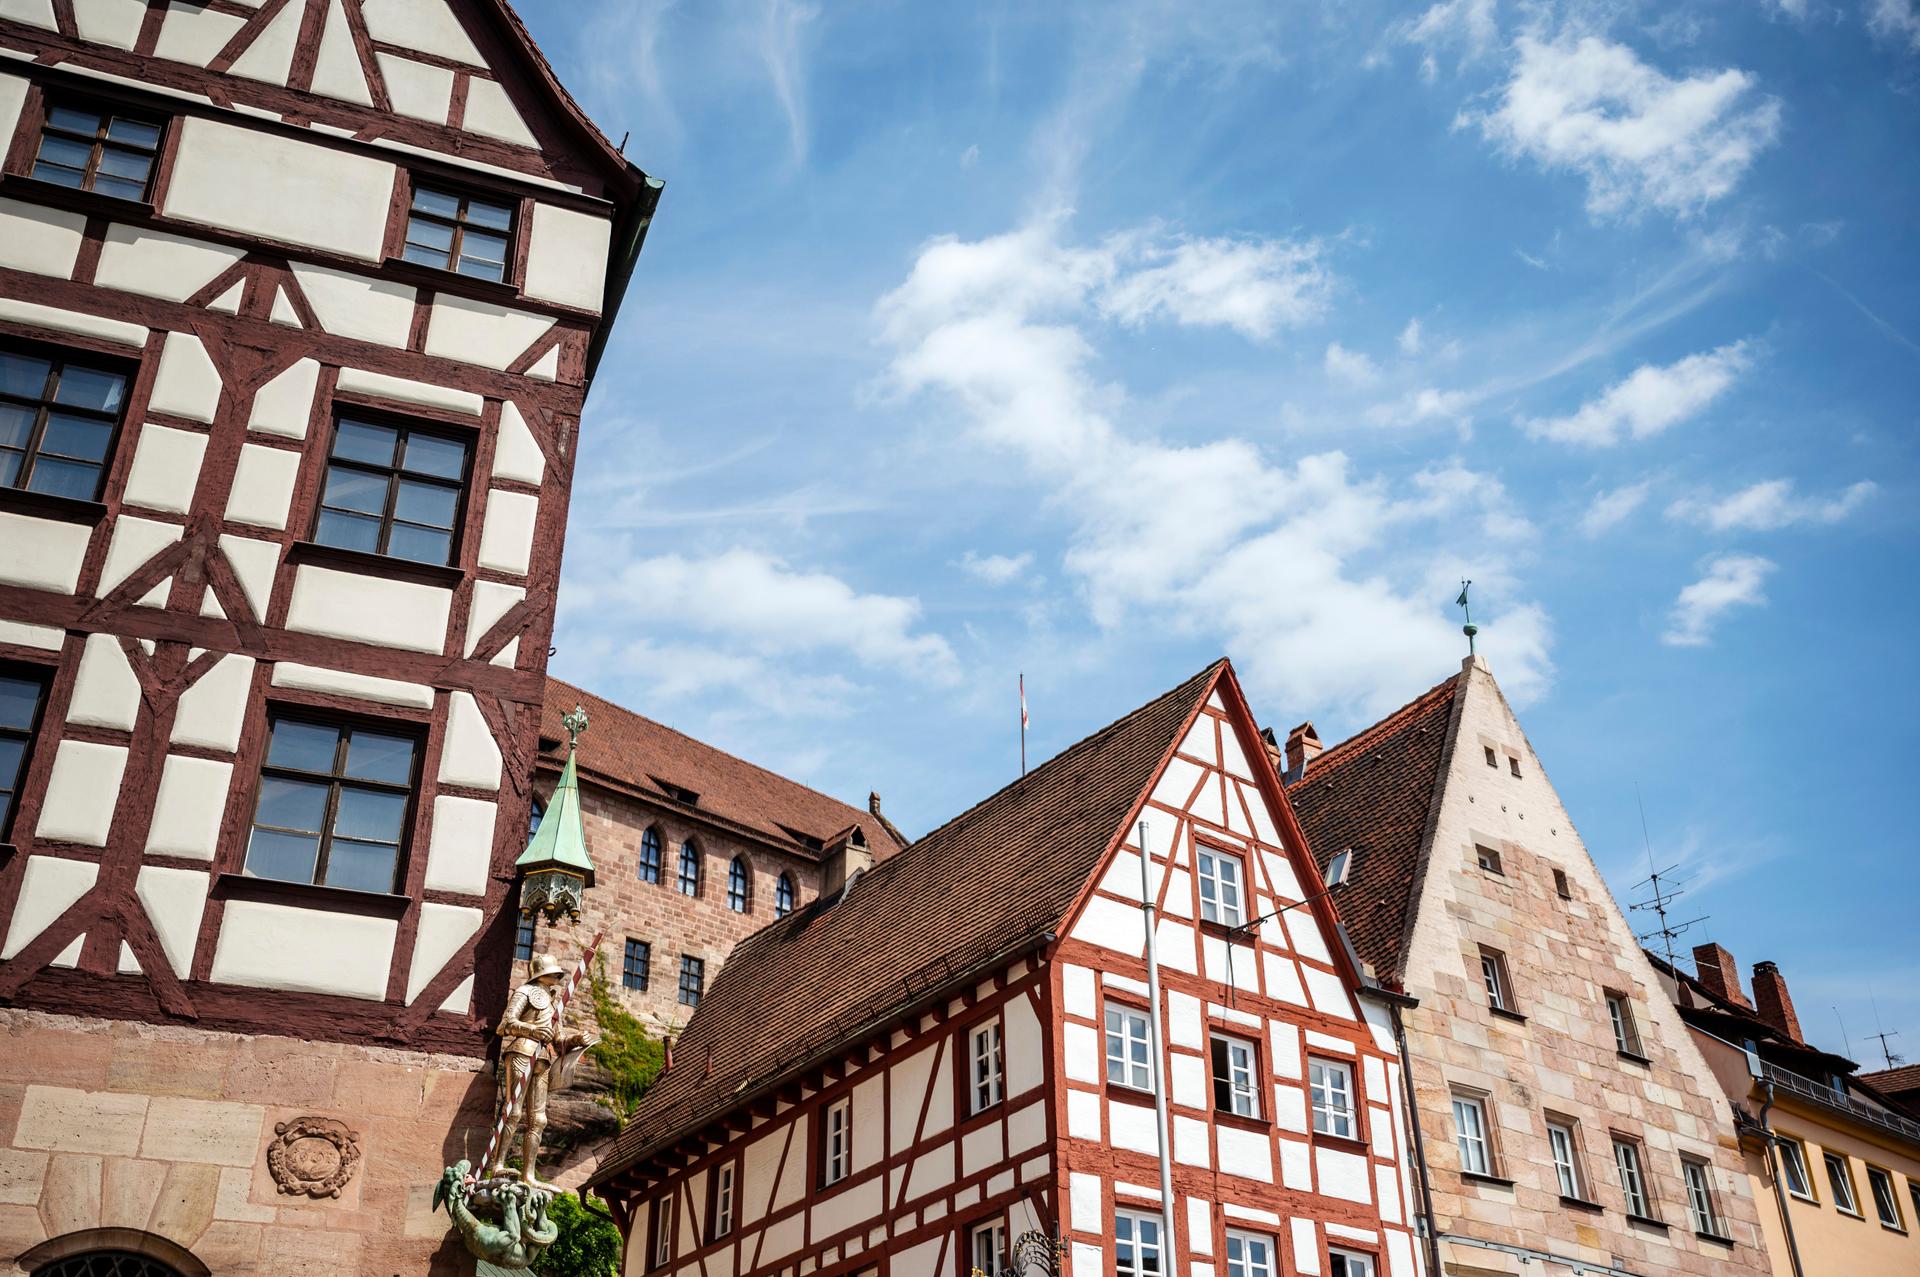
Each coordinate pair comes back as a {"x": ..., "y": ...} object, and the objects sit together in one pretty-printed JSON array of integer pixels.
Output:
[
  {"x": 1352, "y": 747},
  {"x": 695, "y": 740}
]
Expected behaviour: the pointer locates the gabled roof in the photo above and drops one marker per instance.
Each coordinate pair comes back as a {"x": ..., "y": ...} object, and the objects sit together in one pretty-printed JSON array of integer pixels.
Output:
[
  {"x": 1374, "y": 794},
  {"x": 993, "y": 880},
  {"x": 636, "y": 754},
  {"x": 1895, "y": 1081}
]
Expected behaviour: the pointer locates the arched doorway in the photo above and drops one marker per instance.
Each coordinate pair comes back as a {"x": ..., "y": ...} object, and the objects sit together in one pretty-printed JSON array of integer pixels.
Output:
[{"x": 111, "y": 1252}]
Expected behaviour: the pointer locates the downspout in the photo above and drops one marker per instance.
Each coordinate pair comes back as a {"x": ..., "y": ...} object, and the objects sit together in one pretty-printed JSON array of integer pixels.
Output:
[
  {"x": 1148, "y": 908},
  {"x": 1419, "y": 1144},
  {"x": 1779, "y": 1193}
]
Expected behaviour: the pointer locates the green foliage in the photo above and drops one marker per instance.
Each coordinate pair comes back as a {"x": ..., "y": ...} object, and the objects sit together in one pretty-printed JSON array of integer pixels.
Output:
[
  {"x": 588, "y": 1245},
  {"x": 631, "y": 1058}
]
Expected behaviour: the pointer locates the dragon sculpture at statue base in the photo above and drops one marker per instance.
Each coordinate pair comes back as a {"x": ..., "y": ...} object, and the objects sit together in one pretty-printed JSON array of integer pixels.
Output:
[{"x": 501, "y": 1220}]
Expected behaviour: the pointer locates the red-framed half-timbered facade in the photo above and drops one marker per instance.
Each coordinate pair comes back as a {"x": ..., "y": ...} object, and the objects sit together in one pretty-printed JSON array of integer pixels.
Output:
[
  {"x": 912, "y": 1075},
  {"x": 299, "y": 304}
]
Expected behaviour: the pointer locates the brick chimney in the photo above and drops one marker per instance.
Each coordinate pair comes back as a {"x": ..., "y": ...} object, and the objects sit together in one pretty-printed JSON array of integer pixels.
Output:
[
  {"x": 1717, "y": 970},
  {"x": 1303, "y": 746},
  {"x": 846, "y": 856},
  {"x": 1770, "y": 1000}
]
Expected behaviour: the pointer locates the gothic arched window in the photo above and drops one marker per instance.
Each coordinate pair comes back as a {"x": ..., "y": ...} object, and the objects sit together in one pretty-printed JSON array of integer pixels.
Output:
[
  {"x": 739, "y": 885},
  {"x": 650, "y": 855},
  {"x": 689, "y": 880},
  {"x": 783, "y": 897}
]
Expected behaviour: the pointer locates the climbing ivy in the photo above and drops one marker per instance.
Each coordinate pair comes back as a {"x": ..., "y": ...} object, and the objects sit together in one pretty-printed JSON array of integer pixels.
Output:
[
  {"x": 630, "y": 1056},
  {"x": 588, "y": 1245}
]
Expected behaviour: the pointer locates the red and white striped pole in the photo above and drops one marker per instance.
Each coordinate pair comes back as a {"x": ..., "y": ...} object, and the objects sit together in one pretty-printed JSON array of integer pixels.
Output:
[{"x": 520, "y": 1088}]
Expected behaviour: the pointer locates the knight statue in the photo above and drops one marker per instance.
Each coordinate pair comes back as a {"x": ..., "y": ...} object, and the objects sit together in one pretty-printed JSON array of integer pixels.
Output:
[{"x": 538, "y": 1052}]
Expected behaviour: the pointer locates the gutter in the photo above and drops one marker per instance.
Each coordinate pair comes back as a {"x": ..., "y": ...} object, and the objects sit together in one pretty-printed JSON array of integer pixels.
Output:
[
  {"x": 1779, "y": 1191},
  {"x": 1395, "y": 1003},
  {"x": 630, "y": 234}
]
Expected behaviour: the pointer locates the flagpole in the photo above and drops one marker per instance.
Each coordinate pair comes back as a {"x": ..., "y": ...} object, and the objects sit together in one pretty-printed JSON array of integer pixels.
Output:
[{"x": 1023, "y": 722}]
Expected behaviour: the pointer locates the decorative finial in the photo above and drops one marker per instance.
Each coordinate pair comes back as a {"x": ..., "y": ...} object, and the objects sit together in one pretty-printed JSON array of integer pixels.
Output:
[
  {"x": 1469, "y": 629},
  {"x": 576, "y": 725}
]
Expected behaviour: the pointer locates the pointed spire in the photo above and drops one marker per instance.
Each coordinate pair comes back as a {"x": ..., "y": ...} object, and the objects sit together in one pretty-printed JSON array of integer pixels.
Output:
[{"x": 555, "y": 868}]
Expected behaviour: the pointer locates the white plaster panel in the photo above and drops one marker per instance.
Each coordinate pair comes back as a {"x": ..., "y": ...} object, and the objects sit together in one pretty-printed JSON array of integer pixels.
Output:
[
  {"x": 1343, "y": 1174},
  {"x": 490, "y": 602},
  {"x": 506, "y": 538},
  {"x": 1077, "y": 992},
  {"x": 921, "y": 1260},
  {"x": 105, "y": 691},
  {"x": 443, "y": 929},
  {"x": 283, "y": 312},
  {"x": 154, "y": 264},
  {"x": 135, "y": 541},
  {"x": 461, "y": 845},
  {"x": 516, "y": 455},
  {"x": 1306, "y": 1247},
  {"x": 547, "y": 367},
  {"x": 1177, "y": 782},
  {"x": 46, "y": 637},
  {"x": 284, "y": 405},
  {"x": 1183, "y": 1021},
  {"x": 1263, "y": 825},
  {"x": 270, "y": 56},
  {"x": 869, "y": 1128},
  {"x": 1280, "y": 873},
  {"x": 848, "y": 1208},
  {"x": 1189, "y": 1074},
  {"x": 13, "y": 95},
  {"x": 348, "y": 305},
  {"x": 355, "y": 380},
  {"x": 1303, "y": 930},
  {"x": 45, "y": 241},
  {"x": 192, "y": 33},
  {"x": 479, "y": 332},
  {"x": 1132, "y": 1127},
  {"x": 366, "y": 687},
  {"x": 1290, "y": 1108},
  {"x": 1387, "y": 1185},
  {"x": 1376, "y": 1076},
  {"x": 42, "y": 554},
  {"x": 228, "y": 302},
  {"x": 1328, "y": 993},
  {"x": 1199, "y": 742},
  {"x": 128, "y": 964},
  {"x": 1084, "y": 1203},
  {"x": 1327, "y": 1042},
  {"x": 1122, "y": 876},
  {"x": 187, "y": 384},
  {"x": 369, "y": 609},
  {"x": 1189, "y": 1142},
  {"x": 336, "y": 72},
  {"x": 1245, "y": 1153},
  {"x": 426, "y": 25},
  {"x": 212, "y": 711},
  {"x": 1089, "y": 1261},
  {"x": 1232, "y": 757},
  {"x": 269, "y": 946},
  {"x": 909, "y": 1084},
  {"x": 47, "y": 889},
  {"x": 245, "y": 180},
  {"x": 81, "y": 793},
  {"x": 1199, "y": 1227},
  {"x": 1296, "y": 1165},
  {"x": 1400, "y": 1262},
  {"x": 979, "y": 1148},
  {"x": 1174, "y": 941},
  {"x": 416, "y": 89},
  {"x": 1208, "y": 804},
  {"x": 189, "y": 806},
  {"x": 1026, "y": 1128},
  {"x": 110, "y": 22},
  {"x": 469, "y": 755},
  {"x": 254, "y": 564},
  {"x": 166, "y": 468},
  {"x": 1111, "y": 925},
  {"x": 1283, "y": 979},
  {"x": 567, "y": 256},
  {"x": 38, "y": 13},
  {"x": 174, "y": 900},
  {"x": 491, "y": 114},
  {"x": 70, "y": 956},
  {"x": 1083, "y": 1115},
  {"x": 460, "y": 1001},
  {"x": 72, "y": 321},
  {"x": 1025, "y": 1047},
  {"x": 931, "y": 1172}
]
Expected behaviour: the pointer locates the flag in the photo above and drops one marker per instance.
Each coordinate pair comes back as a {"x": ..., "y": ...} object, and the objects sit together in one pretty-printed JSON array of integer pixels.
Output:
[
  {"x": 1462, "y": 600},
  {"x": 1023, "y": 703}
]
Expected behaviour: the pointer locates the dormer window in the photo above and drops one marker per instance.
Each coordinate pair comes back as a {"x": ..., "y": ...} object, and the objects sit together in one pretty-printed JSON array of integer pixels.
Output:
[
  {"x": 459, "y": 233},
  {"x": 91, "y": 149}
]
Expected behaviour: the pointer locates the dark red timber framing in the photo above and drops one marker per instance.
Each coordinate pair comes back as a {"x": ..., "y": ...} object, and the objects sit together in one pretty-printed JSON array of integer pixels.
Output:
[{"x": 208, "y": 603}]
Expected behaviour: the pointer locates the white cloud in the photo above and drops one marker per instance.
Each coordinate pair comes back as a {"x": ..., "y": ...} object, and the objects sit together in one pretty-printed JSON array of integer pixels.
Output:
[
  {"x": 1641, "y": 139},
  {"x": 1731, "y": 581},
  {"x": 1649, "y": 400},
  {"x": 1331, "y": 589},
  {"x": 995, "y": 569},
  {"x": 1767, "y": 506},
  {"x": 1254, "y": 286},
  {"x": 1895, "y": 20},
  {"x": 1609, "y": 509},
  {"x": 1350, "y": 366},
  {"x": 1429, "y": 403},
  {"x": 1467, "y": 25},
  {"x": 780, "y": 41},
  {"x": 1410, "y": 337}
]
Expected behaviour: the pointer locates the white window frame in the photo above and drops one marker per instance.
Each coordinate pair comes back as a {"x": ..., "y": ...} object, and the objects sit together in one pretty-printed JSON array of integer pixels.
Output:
[
  {"x": 1564, "y": 1144},
  {"x": 1493, "y": 972},
  {"x": 836, "y": 1141},
  {"x": 1470, "y": 1136},
  {"x": 1351, "y": 1263},
  {"x": 1845, "y": 1200},
  {"x": 1250, "y": 1254},
  {"x": 1223, "y": 896},
  {"x": 986, "y": 1060},
  {"x": 1133, "y": 1229},
  {"x": 1633, "y": 1178},
  {"x": 1626, "y": 1033},
  {"x": 1242, "y": 1078},
  {"x": 994, "y": 1233},
  {"x": 1793, "y": 1166},
  {"x": 1127, "y": 1027},
  {"x": 1876, "y": 1179},
  {"x": 1697, "y": 1176},
  {"x": 663, "y": 1232},
  {"x": 1330, "y": 1092},
  {"x": 723, "y": 1179}
]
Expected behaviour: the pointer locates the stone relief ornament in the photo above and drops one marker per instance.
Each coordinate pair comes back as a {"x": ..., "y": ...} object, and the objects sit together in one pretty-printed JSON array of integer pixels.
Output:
[{"x": 313, "y": 1155}]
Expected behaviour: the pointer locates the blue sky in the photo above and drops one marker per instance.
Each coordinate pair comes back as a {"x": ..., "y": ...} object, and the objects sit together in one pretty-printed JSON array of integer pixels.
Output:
[{"x": 1097, "y": 340}]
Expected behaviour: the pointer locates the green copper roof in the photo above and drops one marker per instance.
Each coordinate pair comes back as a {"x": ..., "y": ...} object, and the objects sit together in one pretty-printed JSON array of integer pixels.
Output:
[{"x": 561, "y": 839}]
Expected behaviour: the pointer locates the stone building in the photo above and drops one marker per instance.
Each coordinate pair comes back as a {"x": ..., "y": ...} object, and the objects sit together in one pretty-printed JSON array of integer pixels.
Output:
[
  {"x": 962, "y": 1052},
  {"x": 299, "y": 303},
  {"x": 694, "y": 850},
  {"x": 1833, "y": 1160},
  {"x": 1569, "y": 1121}
]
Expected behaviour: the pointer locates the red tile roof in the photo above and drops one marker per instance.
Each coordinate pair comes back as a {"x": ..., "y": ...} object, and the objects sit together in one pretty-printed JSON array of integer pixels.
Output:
[
  {"x": 1901, "y": 1081},
  {"x": 994, "y": 879},
  {"x": 635, "y": 753},
  {"x": 1373, "y": 793}
]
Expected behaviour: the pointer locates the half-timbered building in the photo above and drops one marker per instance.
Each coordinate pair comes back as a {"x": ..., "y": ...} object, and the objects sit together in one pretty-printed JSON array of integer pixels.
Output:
[
  {"x": 299, "y": 303},
  {"x": 959, "y": 1052}
]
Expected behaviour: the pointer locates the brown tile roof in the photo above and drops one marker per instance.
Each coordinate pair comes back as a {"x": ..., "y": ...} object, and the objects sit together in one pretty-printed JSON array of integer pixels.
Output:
[
  {"x": 1374, "y": 793},
  {"x": 1896, "y": 1081},
  {"x": 992, "y": 880},
  {"x": 637, "y": 754}
]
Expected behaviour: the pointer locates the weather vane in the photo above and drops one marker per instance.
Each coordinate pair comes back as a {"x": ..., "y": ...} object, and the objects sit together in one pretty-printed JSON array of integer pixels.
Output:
[{"x": 1469, "y": 629}]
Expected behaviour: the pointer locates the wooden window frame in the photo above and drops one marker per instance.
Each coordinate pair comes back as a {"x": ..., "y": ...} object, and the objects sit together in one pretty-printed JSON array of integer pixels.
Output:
[
  {"x": 1487, "y": 860},
  {"x": 646, "y": 965},
  {"x": 1356, "y": 1104},
  {"x": 1493, "y": 757},
  {"x": 29, "y": 737},
  {"x": 1109, "y": 1005},
  {"x": 41, "y": 123},
  {"x": 645, "y": 870},
  {"x": 785, "y": 898},
  {"x": 687, "y": 870},
  {"x": 1498, "y": 981},
  {"x": 994, "y": 1225},
  {"x": 1348, "y": 1250},
  {"x": 829, "y": 1162},
  {"x": 1256, "y": 1074},
  {"x": 660, "y": 1249},
  {"x": 1633, "y": 1145},
  {"x": 729, "y": 1170},
  {"x": 1272, "y": 1268},
  {"x": 993, "y": 1026},
  {"x": 1481, "y": 1104},
  {"x": 1201, "y": 878},
  {"x": 395, "y": 472},
  {"x": 347, "y": 724},
  {"x": 59, "y": 359},
  {"x": 411, "y": 183},
  {"x": 1139, "y": 1268},
  {"x": 1703, "y": 1207},
  {"x": 1625, "y": 1026},
  {"x": 697, "y": 969},
  {"x": 739, "y": 885},
  {"x": 1576, "y": 1167},
  {"x": 1562, "y": 885}
]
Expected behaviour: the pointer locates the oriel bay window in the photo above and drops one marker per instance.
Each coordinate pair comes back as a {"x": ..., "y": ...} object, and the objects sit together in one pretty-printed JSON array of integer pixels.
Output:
[
  {"x": 333, "y": 804},
  {"x": 58, "y": 419},
  {"x": 459, "y": 233},
  {"x": 95, "y": 149},
  {"x": 393, "y": 489}
]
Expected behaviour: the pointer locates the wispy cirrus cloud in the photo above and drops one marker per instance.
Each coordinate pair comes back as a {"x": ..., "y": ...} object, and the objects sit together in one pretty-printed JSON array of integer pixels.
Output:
[
  {"x": 1767, "y": 506},
  {"x": 1731, "y": 582},
  {"x": 1648, "y": 400},
  {"x": 1353, "y": 367},
  {"x": 1895, "y": 21},
  {"x": 1609, "y": 509},
  {"x": 995, "y": 569}
]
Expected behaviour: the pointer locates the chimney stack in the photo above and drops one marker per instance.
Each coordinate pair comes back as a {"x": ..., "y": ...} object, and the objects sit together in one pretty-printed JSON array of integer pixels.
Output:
[
  {"x": 1303, "y": 746},
  {"x": 846, "y": 857},
  {"x": 1720, "y": 974},
  {"x": 1770, "y": 1000}
]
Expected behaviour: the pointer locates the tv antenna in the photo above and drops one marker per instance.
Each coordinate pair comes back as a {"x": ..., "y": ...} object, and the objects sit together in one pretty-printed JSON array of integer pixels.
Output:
[
  {"x": 1663, "y": 888},
  {"x": 1894, "y": 1058}
]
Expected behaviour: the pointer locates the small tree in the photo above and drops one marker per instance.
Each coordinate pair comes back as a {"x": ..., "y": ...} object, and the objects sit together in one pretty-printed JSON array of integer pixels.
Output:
[{"x": 588, "y": 1245}]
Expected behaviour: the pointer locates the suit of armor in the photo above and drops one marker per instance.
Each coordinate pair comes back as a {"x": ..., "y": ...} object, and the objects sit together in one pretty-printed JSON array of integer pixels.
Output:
[{"x": 533, "y": 1036}]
